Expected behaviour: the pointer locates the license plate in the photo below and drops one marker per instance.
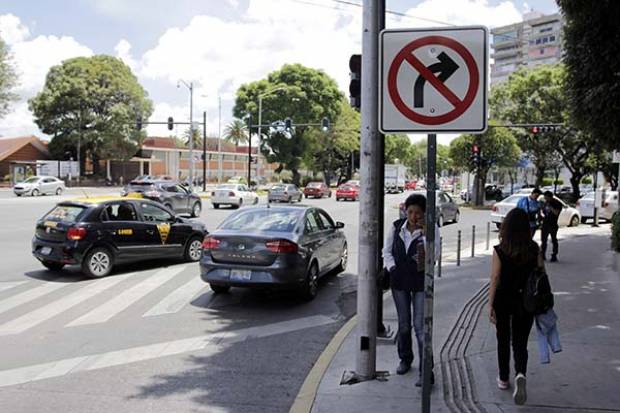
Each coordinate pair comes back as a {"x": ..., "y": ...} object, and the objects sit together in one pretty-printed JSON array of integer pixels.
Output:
[
  {"x": 46, "y": 250},
  {"x": 240, "y": 275}
]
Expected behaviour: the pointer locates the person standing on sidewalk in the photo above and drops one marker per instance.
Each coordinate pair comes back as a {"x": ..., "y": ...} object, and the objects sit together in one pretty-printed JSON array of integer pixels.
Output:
[
  {"x": 403, "y": 256},
  {"x": 531, "y": 206},
  {"x": 551, "y": 210},
  {"x": 516, "y": 256}
]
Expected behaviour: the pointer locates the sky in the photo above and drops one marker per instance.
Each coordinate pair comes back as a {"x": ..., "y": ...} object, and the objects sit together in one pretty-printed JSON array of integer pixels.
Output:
[{"x": 216, "y": 44}]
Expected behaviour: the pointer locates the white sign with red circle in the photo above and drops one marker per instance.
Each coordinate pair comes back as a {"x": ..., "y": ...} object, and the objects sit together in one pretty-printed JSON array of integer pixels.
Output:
[{"x": 433, "y": 80}]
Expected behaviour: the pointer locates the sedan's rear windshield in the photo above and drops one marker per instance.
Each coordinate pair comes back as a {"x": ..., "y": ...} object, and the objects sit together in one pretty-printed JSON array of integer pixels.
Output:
[
  {"x": 64, "y": 213},
  {"x": 314, "y": 185},
  {"x": 140, "y": 184},
  {"x": 513, "y": 199},
  {"x": 279, "y": 188},
  {"x": 263, "y": 220}
]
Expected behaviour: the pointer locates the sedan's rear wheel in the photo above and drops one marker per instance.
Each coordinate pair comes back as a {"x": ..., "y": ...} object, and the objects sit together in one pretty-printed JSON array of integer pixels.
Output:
[
  {"x": 193, "y": 251},
  {"x": 255, "y": 200},
  {"x": 219, "y": 289},
  {"x": 59, "y": 191},
  {"x": 344, "y": 259},
  {"x": 98, "y": 263},
  {"x": 457, "y": 217},
  {"x": 440, "y": 221},
  {"x": 310, "y": 286},
  {"x": 196, "y": 210},
  {"x": 216, "y": 206},
  {"x": 574, "y": 221},
  {"x": 53, "y": 266},
  {"x": 584, "y": 220},
  {"x": 290, "y": 200}
]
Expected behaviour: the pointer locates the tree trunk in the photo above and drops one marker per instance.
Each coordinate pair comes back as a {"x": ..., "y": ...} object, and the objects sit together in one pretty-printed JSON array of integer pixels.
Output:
[
  {"x": 327, "y": 177},
  {"x": 296, "y": 177},
  {"x": 575, "y": 179},
  {"x": 540, "y": 176},
  {"x": 480, "y": 182}
]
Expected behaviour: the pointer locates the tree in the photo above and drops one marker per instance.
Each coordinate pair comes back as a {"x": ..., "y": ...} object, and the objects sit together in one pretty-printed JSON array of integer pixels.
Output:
[
  {"x": 305, "y": 95},
  {"x": 197, "y": 138},
  {"x": 592, "y": 47},
  {"x": 8, "y": 79},
  {"x": 96, "y": 99},
  {"x": 236, "y": 132},
  {"x": 397, "y": 147},
  {"x": 498, "y": 148}
]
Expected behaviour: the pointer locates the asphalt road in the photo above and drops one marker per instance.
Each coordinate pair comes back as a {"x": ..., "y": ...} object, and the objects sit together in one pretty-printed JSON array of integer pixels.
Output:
[{"x": 153, "y": 337}]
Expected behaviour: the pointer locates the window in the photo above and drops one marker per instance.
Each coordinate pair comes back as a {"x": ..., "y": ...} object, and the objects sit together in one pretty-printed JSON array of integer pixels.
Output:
[
  {"x": 48, "y": 180},
  {"x": 326, "y": 221},
  {"x": 545, "y": 40},
  {"x": 152, "y": 213},
  {"x": 263, "y": 220},
  {"x": 170, "y": 188},
  {"x": 538, "y": 41},
  {"x": 312, "y": 225},
  {"x": 120, "y": 212},
  {"x": 64, "y": 213},
  {"x": 552, "y": 38}
]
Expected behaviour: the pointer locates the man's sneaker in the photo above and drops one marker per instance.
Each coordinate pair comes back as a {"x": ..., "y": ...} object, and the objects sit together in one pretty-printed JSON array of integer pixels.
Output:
[
  {"x": 554, "y": 258},
  {"x": 419, "y": 382},
  {"x": 403, "y": 368},
  {"x": 503, "y": 385},
  {"x": 520, "y": 394}
]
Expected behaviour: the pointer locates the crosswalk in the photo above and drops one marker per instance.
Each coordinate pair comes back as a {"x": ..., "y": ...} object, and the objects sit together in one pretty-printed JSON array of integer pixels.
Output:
[{"x": 26, "y": 305}]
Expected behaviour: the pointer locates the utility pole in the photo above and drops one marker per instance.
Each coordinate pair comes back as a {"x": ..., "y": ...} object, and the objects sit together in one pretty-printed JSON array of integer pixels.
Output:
[
  {"x": 366, "y": 345},
  {"x": 249, "y": 150},
  {"x": 219, "y": 140},
  {"x": 190, "y": 86},
  {"x": 204, "y": 151}
]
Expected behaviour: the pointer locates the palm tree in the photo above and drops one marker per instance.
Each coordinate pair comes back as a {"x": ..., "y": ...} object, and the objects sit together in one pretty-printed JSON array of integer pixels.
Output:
[
  {"x": 197, "y": 137},
  {"x": 236, "y": 132}
]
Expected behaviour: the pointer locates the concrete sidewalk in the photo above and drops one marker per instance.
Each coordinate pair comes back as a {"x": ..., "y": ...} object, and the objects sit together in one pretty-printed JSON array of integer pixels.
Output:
[{"x": 583, "y": 378}]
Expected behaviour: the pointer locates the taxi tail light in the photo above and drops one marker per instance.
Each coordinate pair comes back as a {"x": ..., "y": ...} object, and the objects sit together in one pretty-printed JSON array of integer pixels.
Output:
[
  {"x": 210, "y": 243},
  {"x": 76, "y": 233},
  {"x": 281, "y": 246}
]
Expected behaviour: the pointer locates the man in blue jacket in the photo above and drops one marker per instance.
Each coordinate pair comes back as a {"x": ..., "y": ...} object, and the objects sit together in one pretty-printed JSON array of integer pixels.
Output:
[{"x": 532, "y": 207}]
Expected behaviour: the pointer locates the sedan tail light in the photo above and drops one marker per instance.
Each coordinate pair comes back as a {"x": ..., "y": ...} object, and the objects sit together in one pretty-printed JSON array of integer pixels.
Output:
[
  {"x": 231, "y": 194},
  {"x": 494, "y": 208},
  {"x": 210, "y": 243},
  {"x": 76, "y": 233},
  {"x": 605, "y": 204},
  {"x": 281, "y": 246},
  {"x": 152, "y": 194}
]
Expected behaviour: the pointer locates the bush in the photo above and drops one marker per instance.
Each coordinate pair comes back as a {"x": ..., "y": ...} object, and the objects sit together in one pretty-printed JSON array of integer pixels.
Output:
[
  {"x": 551, "y": 182},
  {"x": 615, "y": 232},
  {"x": 586, "y": 181}
]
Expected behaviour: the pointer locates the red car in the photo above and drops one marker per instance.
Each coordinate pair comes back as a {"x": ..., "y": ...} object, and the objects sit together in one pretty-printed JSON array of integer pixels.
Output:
[
  {"x": 317, "y": 190},
  {"x": 347, "y": 191},
  {"x": 410, "y": 185}
]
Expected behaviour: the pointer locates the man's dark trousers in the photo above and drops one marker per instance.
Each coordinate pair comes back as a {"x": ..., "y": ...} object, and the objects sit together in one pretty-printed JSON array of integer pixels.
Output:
[{"x": 553, "y": 231}]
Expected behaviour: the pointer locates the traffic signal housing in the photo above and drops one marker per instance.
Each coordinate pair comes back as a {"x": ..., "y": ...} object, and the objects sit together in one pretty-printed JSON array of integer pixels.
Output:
[
  {"x": 288, "y": 124},
  {"x": 475, "y": 158},
  {"x": 544, "y": 129},
  {"x": 325, "y": 124},
  {"x": 170, "y": 123},
  {"x": 355, "y": 84},
  {"x": 139, "y": 123}
]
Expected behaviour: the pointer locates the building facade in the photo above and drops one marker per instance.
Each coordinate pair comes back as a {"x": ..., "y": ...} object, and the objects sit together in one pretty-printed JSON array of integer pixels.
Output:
[{"x": 535, "y": 41}]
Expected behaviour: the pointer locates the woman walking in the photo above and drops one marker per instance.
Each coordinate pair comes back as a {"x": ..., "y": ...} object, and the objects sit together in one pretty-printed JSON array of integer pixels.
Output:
[{"x": 516, "y": 256}]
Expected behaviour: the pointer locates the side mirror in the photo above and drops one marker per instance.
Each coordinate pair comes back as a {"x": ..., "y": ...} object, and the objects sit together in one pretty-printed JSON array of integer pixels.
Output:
[{"x": 339, "y": 225}]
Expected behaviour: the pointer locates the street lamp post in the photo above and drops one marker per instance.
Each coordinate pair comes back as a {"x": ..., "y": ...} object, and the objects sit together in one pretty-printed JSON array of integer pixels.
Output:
[
  {"x": 260, "y": 122},
  {"x": 190, "y": 86}
]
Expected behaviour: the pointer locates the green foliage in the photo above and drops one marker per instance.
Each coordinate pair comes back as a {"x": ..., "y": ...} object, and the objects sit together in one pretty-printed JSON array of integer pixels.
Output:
[
  {"x": 197, "y": 138},
  {"x": 551, "y": 182},
  {"x": 591, "y": 50},
  {"x": 305, "y": 95},
  {"x": 97, "y": 99},
  {"x": 586, "y": 181},
  {"x": 397, "y": 147},
  {"x": 236, "y": 132},
  {"x": 8, "y": 79},
  {"x": 615, "y": 232}
]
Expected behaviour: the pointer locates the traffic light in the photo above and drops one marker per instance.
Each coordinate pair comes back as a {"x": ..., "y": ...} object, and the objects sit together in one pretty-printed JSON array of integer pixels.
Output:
[
  {"x": 170, "y": 123},
  {"x": 139, "y": 123},
  {"x": 544, "y": 129},
  {"x": 288, "y": 124},
  {"x": 355, "y": 85},
  {"x": 325, "y": 124},
  {"x": 475, "y": 157}
]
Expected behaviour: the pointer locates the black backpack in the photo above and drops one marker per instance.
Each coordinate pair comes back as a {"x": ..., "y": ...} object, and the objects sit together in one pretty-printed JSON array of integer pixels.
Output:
[{"x": 537, "y": 295}]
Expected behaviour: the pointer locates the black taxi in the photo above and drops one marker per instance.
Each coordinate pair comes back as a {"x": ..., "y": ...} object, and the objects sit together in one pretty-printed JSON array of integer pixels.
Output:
[{"x": 98, "y": 233}]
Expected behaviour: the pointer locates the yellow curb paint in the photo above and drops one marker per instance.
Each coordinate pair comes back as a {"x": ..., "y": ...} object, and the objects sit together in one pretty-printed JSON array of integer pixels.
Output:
[{"x": 305, "y": 398}]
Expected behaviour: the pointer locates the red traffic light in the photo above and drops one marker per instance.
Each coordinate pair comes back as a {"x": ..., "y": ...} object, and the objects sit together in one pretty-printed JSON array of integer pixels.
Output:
[
  {"x": 475, "y": 149},
  {"x": 535, "y": 130}
]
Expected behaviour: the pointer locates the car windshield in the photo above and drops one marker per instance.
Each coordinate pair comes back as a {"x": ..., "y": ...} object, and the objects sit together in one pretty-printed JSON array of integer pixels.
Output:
[
  {"x": 512, "y": 199},
  {"x": 278, "y": 188},
  {"x": 32, "y": 180},
  {"x": 263, "y": 220},
  {"x": 314, "y": 185},
  {"x": 230, "y": 186},
  {"x": 64, "y": 213}
]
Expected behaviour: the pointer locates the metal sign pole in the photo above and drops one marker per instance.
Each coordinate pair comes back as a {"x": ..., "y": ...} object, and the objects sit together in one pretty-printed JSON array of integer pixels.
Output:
[{"x": 429, "y": 279}]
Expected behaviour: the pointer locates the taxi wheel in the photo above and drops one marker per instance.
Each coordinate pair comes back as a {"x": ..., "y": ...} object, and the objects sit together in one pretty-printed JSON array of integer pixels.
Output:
[
  {"x": 98, "y": 263},
  {"x": 193, "y": 251},
  {"x": 53, "y": 266},
  {"x": 219, "y": 289},
  {"x": 310, "y": 286},
  {"x": 196, "y": 210}
]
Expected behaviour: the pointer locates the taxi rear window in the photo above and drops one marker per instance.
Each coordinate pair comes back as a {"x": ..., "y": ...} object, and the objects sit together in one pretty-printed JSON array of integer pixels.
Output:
[{"x": 65, "y": 213}]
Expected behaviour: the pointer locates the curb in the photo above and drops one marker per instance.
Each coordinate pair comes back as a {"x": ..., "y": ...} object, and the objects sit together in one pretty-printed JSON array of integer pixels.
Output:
[{"x": 307, "y": 393}]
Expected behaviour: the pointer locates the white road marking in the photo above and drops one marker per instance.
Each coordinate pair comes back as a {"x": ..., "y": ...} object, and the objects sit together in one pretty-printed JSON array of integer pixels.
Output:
[
  {"x": 119, "y": 303},
  {"x": 178, "y": 298},
  {"x": 29, "y": 295},
  {"x": 213, "y": 343},
  {"x": 10, "y": 284},
  {"x": 44, "y": 313}
]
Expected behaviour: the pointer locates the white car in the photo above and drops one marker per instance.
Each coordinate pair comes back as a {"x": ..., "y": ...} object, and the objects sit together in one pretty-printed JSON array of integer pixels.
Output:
[
  {"x": 235, "y": 195},
  {"x": 585, "y": 206},
  {"x": 40, "y": 185},
  {"x": 569, "y": 217}
]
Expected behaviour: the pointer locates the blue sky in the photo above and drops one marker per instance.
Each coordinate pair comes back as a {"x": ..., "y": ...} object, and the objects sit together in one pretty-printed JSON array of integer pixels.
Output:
[{"x": 219, "y": 44}]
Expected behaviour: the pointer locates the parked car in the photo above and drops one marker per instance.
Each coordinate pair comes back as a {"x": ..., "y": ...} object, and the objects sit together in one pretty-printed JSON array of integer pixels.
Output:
[
  {"x": 285, "y": 193},
  {"x": 585, "y": 206},
  {"x": 447, "y": 209},
  {"x": 99, "y": 233},
  {"x": 353, "y": 182},
  {"x": 569, "y": 217},
  {"x": 348, "y": 192},
  {"x": 234, "y": 195},
  {"x": 278, "y": 246},
  {"x": 410, "y": 185},
  {"x": 317, "y": 190},
  {"x": 171, "y": 194},
  {"x": 40, "y": 185}
]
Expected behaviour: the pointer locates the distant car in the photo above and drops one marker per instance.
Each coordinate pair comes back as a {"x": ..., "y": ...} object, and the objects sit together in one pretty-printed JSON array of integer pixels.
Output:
[
  {"x": 171, "y": 194},
  {"x": 99, "y": 233},
  {"x": 353, "y": 182},
  {"x": 447, "y": 209},
  {"x": 40, "y": 185},
  {"x": 234, "y": 195},
  {"x": 285, "y": 193},
  {"x": 317, "y": 190},
  {"x": 276, "y": 246},
  {"x": 569, "y": 217},
  {"x": 585, "y": 206},
  {"x": 348, "y": 192},
  {"x": 410, "y": 185}
]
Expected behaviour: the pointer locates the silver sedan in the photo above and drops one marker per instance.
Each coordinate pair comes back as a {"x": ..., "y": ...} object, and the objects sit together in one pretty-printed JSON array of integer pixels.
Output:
[{"x": 40, "y": 185}]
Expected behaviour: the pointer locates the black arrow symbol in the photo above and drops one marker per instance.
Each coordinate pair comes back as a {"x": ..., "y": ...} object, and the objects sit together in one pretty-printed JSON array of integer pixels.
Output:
[{"x": 445, "y": 67}]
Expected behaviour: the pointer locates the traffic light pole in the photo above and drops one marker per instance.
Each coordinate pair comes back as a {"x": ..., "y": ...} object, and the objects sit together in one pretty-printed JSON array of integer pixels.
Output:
[
  {"x": 249, "y": 151},
  {"x": 204, "y": 151}
]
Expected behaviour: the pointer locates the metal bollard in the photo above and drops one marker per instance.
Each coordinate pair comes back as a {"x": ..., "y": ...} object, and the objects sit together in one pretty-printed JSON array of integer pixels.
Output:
[
  {"x": 458, "y": 249},
  {"x": 473, "y": 241},
  {"x": 488, "y": 235},
  {"x": 440, "y": 256}
]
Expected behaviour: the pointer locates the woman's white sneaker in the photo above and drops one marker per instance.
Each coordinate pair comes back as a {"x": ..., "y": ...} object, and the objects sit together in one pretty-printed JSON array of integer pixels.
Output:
[
  {"x": 520, "y": 394},
  {"x": 503, "y": 385}
]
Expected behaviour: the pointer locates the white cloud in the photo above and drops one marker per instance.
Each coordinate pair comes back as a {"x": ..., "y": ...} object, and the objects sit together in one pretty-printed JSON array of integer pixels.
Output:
[
  {"x": 123, "y": 52},
  {"x": 12, "y": 30}
]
